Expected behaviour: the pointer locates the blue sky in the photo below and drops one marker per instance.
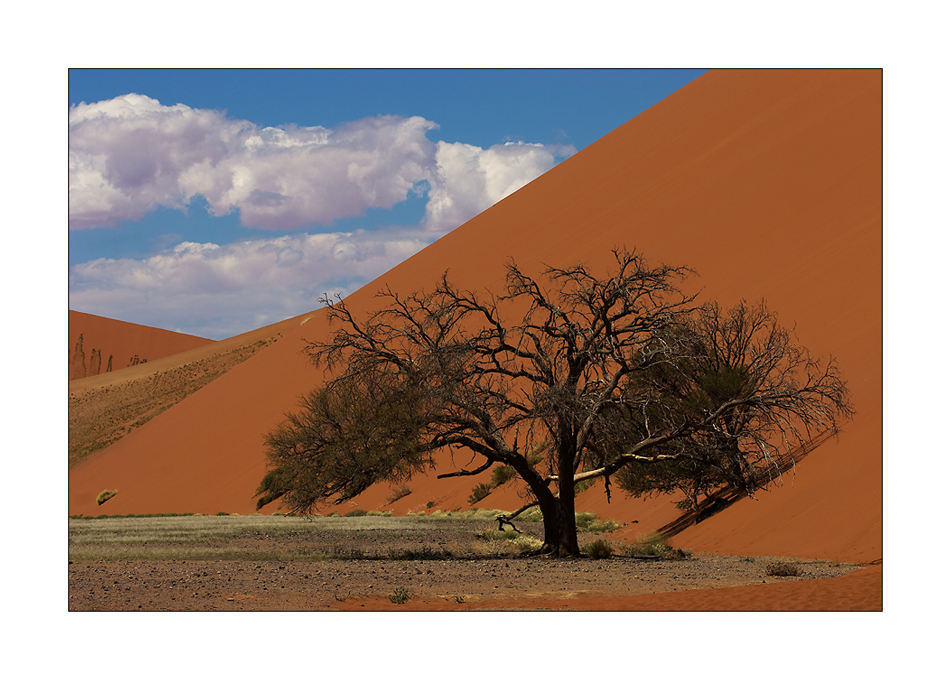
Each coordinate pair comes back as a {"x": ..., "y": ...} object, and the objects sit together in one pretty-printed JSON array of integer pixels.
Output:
[{"x": 213, "y": 202}]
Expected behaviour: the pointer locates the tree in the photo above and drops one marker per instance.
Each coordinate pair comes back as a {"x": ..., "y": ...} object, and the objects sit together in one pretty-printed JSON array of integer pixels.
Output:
[{"x": 603, "y": 376}]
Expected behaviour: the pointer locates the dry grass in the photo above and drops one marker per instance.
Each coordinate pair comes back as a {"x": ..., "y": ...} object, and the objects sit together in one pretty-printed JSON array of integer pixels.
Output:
[
  {"x": 256, "y": 537},
  {"x": 100, "y": 416}
]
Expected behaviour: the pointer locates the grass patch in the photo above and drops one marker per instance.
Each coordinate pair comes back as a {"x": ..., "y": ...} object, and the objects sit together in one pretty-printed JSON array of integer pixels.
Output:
[
  {"x": 246, "y": 538},
  {"x": 784, "y": 570},
  {"x": 655, "y": 545},
  {"x": 588, "y": 521},
  {"x": 599, "y": 549},
  {"x": 105, "y": 495},
  {"x": 400, "y": 595},
  {"x": 495, "y": 542},
  {"x": 398, "y": 493},
  {"x": 502, "y": 474},
  {"x": 581, "y": 486},
  {"x": 479, "y": 493},
  {"x": 533, "y": 515}
]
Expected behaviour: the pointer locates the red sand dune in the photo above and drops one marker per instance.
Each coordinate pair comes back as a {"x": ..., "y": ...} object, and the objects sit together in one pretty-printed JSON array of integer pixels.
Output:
[
  {"x": 206, "y": 350},
  {"x": 767, "y": 183},
  {"x": 126, "y": 343}
]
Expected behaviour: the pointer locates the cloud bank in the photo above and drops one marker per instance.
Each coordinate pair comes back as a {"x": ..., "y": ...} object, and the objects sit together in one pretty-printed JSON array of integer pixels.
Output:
[
  {"x": 219, "y": 291},
  {"x": 131, "y": 155}
]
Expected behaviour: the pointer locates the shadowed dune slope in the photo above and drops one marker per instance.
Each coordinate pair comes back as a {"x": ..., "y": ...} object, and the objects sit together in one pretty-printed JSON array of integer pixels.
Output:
[
  {"x": 767, "y": 183},
  {"x": 126, "y": 343}
]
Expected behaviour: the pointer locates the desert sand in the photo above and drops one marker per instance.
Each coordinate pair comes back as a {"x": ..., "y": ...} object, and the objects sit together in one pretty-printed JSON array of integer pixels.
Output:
[
  {"x": 126, "y": 344},
  {"x": 767, "y": 183}
]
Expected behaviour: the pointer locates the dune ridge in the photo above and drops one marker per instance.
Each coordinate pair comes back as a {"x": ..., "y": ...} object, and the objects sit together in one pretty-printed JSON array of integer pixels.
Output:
[
  {"x": 768, "y": 183},
  {"x": 99, "y": 345}
]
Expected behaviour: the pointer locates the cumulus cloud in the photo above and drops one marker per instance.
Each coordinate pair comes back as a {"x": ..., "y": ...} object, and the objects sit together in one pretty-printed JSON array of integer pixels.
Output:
[
  {"x": 468, "y": 179},
  {"x": 131, "y": 154},
  {"x": 219, "y": 291}
]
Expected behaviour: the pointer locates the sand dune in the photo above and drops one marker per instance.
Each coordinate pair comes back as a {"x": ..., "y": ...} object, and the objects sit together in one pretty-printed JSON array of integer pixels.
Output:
[
  {"x": 767, "y": 183},
  {"x": 109, "y": 345}
]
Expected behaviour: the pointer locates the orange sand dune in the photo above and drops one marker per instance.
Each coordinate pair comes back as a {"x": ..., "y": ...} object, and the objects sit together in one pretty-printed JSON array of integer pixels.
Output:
[
  {"x": 767, "y": 183},
  {"x": 178, "y": 359},
  {"x": 126, "y": 343}
]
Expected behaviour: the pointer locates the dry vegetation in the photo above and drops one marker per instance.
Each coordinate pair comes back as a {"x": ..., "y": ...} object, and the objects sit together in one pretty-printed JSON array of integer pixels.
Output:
[
  {"x": 100, "y": 416},
  {"x": 369, "y": 562}
]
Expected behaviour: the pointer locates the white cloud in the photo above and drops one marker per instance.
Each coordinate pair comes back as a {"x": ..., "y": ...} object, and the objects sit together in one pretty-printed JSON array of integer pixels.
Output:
[
  {"x": 131, "y": 154},
  {"x": 220, "y": 291},
  {"x": 468, "y": 179},
  {"x": 127, "y": 156}
]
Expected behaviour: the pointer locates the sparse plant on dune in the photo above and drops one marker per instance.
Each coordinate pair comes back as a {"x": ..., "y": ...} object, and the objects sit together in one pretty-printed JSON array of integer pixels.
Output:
[
  {"x": 501, "y": 475},
  {"x": 105, "y": 495},
  {"x": 479, "y": 493},
  {"x": 398, "y": 493}
]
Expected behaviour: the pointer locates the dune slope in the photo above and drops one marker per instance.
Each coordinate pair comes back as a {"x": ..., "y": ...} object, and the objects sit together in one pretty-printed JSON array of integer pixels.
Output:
[
  {"x": 98, "y": 345},
  {"x": 767, "y": 183}
]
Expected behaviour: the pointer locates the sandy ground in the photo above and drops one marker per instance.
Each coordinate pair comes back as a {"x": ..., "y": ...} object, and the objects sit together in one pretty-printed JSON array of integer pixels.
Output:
[
  {"x": 705, "y": 582},
  {"x": 767, "y": 183},
  {"x": 454, "y": 578}
]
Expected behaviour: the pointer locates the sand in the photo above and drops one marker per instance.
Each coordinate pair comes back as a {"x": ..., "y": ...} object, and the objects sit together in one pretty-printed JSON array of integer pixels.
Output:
[{"x": 126, "y": 344}]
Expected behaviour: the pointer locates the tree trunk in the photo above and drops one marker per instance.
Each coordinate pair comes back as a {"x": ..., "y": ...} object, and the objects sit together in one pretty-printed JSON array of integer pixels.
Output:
[
  {"x": 567, "y": 524},
  {"x": 550, "y": 513},
  {"x": 560, "y": 526}
]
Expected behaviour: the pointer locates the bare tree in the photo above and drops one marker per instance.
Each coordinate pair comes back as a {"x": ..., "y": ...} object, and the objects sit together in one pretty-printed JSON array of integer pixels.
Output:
[{"x": 599, "y": 374}]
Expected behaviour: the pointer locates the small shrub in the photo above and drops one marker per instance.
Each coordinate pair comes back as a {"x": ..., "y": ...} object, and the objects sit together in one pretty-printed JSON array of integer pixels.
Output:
[
  {"x": 605, "y": 526},
  {"x": 584, "y": 519},
  {"x": 357, "y": 512},
  {"x": 784, "y": 570},
  {"x": 400, "y": 595},
  {"x": 599, "y": 549},
  {"x": 479, "y": 493},
  {"x": 534, "y": 515},
  {"x": 588, "y": 521},
  {"x": 581, "y": 486},
  {"x": 105, "y": 495},
  {"x": 495, "y": 541},
  {"x": 397, "y": 493},
  {"x": 378, "y": 513},
  {"x": 424, "y": 554},
  {"x": 501, "y": 475},
  {"x": 654, "y": 544}
]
